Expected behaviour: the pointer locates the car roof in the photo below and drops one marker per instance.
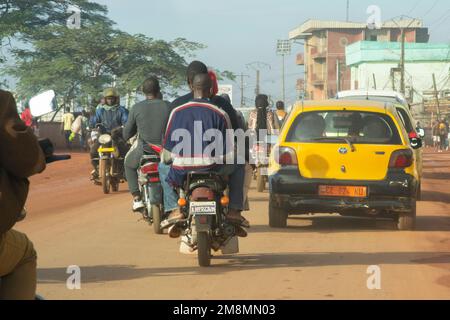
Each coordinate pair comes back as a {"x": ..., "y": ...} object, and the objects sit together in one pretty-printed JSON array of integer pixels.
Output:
[
  {"x": 363, "y": 105},
  {"x": 379, "y": 93}
]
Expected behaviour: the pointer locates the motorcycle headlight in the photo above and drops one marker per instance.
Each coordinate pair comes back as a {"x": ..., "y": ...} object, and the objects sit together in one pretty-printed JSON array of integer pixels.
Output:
[{"x": 105, "y": 139}]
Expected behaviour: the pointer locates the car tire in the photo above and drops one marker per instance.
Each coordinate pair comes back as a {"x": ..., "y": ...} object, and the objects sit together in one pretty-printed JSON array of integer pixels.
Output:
[
  {"x": 407, "y": 221},
  {"x": 277, "y": 217},
  {"x": 419, "y": 192}
]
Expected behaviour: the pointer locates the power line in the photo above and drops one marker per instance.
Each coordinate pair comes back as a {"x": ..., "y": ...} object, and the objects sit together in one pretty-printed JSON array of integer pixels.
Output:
[
  {"x": 431, "y": 9},
  {"x": 414, "y": 7}
]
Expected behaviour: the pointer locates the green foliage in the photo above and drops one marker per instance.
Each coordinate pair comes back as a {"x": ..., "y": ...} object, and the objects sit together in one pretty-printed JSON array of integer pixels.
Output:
[{"x": 79, "y": 63}]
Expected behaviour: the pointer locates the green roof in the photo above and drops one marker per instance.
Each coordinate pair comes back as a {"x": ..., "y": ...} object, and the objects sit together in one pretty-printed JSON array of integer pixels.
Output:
[{"x": 374, "y": 51}]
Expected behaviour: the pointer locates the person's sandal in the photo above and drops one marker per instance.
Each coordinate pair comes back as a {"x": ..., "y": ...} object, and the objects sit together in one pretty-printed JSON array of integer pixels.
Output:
[
  {"x": 240, "y": 232},
  {"x": 239, "y": 221},
  {"x": 175, "y": 231},
  {"x": 172, "y": 219}
]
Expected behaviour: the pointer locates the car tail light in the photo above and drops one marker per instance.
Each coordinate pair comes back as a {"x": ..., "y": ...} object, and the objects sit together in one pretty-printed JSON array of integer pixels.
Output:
[
  {"x": 150, "y": 168},
  {"x": 401, "y": 159},
  {"x": 286, "y": 156}
]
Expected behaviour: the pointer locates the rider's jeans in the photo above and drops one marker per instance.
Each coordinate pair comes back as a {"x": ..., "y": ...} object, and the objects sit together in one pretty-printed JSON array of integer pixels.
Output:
[
  {"x": 237, "y": 176},
  {"x": 17, "y": 267},
  {"x": 169, "y": 194}
]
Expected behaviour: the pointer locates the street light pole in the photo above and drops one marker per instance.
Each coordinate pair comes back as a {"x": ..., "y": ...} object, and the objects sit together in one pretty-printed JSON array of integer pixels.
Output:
[{"x": 283, "y": 49}]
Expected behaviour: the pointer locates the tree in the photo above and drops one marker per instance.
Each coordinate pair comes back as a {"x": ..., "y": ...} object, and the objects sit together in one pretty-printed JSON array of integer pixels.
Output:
[{"x": 82, "y": 62}]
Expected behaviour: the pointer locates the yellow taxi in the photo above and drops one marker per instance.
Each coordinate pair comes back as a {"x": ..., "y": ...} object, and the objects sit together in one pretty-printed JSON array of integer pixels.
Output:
[{"x": 355, "y": 158}]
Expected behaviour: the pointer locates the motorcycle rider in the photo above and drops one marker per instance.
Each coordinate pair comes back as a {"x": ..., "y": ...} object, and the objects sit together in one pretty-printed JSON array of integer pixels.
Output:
[
  {"x": 261, "y": 118},
  {"x": 280, "y": 113},
  {"x": 148, "y": 119},
  {"x": 20, "y": 158},
  {"x": 186, "y": 117},
  {"x": 112, "y": 117}
]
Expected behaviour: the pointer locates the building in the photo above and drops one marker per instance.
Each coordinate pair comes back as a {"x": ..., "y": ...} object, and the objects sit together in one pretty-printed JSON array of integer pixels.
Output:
[
  {"x": 374, "y": 65},
  {"x": 324, "y": 50}
]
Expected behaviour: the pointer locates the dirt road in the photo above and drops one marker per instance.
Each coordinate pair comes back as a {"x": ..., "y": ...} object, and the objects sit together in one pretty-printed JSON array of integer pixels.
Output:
[{"x": 72, "y": 223}]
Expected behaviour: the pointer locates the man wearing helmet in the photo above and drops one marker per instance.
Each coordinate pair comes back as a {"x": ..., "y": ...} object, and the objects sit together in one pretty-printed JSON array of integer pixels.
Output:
[{"x": 110, "y": 118}]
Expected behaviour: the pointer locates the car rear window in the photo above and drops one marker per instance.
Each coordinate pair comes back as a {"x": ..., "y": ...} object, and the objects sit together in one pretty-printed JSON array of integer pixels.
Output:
[{"x": 334, "y": 126}]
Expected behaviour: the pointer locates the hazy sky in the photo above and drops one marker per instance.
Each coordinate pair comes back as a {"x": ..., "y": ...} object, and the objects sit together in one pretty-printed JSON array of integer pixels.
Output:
[{"x": 238, "y": 32}]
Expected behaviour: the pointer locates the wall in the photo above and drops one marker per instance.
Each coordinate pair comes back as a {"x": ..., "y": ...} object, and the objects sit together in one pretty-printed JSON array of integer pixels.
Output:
[{"x": 418, "y": 75}]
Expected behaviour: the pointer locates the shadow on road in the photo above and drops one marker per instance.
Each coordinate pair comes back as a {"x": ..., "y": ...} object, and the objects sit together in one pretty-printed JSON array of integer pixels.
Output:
[
  {"x": 336, "y": 224},
  {"x": 435, "y": 196},
  {"x": 437, "y": 175},
  {"x": 245, "y": 262}
]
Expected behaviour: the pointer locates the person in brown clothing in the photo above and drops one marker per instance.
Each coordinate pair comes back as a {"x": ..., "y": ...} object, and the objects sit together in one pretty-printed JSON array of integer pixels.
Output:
[{"x": 20, "y": 157}]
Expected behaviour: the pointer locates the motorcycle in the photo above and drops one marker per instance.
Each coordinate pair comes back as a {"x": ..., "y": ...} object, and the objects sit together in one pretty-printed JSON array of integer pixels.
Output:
[
  {"x": 150, "y": 187},
  {"x": 260, "y": 154},
  {"x": 111, "y": 164},
  {"x": 204, "y": 203}
]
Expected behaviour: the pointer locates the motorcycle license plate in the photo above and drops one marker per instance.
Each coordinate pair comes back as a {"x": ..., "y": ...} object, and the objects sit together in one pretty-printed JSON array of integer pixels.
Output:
[{"x": 203, "y": 208}]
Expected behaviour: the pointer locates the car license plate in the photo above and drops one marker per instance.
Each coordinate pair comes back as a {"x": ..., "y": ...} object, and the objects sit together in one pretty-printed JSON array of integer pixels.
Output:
[
  {"x": 343, "y": 191},
  {"x": 203, "y": 208}
]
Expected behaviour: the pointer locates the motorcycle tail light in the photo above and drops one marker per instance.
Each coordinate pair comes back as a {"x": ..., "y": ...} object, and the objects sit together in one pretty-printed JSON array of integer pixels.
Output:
[
  {"x": 150, "y": 168},
  {"x": 203, "y": 219},
  {"x": 154, "y": 179},
  {"x": 202, "y": 194}
]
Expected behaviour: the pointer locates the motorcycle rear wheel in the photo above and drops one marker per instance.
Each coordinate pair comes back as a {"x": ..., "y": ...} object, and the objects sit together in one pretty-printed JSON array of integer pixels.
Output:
[
  {"x": 105, "y": 178},
  {"x": 156, "y": 215},
  {"x": 203, "y": 249}
]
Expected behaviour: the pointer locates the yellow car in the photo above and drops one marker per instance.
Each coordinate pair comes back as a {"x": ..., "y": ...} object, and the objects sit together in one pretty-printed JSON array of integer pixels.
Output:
[{"x": 354, "y": 158}]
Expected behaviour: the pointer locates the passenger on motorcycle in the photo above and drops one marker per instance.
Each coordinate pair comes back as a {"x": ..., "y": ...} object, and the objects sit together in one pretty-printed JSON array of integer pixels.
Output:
[
  {"x": 110, "y": 117},
  {"x": 148, "y": 119},
  {"x": 261, "y": 118},
  {"x": 197, "y": 117}
]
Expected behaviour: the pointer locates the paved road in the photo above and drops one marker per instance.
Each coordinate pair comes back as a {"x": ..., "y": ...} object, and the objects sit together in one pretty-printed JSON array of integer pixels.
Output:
[{"x": 325, "y": 257}]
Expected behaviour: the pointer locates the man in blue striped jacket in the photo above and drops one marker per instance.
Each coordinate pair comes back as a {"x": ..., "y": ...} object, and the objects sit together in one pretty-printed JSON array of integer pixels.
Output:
[{"x": 199, "y": 137}]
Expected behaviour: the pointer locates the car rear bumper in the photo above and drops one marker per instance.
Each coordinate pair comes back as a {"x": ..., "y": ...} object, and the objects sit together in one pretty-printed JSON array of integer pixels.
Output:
[{"x": 290, "y": 191}]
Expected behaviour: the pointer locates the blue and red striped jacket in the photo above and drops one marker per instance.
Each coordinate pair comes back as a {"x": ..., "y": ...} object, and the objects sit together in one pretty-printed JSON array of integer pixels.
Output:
[{"x": 199, "y": 137}]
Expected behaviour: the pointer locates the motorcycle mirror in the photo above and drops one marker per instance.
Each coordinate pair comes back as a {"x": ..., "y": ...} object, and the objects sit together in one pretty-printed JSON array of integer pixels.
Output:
[{"x": 43, "y": 103}]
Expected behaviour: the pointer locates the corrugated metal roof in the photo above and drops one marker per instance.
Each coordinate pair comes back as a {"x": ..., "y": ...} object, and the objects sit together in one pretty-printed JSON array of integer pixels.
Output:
[{"x": 312, "y": 25}]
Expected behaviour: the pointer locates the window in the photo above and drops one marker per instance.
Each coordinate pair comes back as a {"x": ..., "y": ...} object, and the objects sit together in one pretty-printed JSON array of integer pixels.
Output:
[
  {"x": 406, "y": 120},
  {"x": 373, "y": 38},
  {"x": 333, "y": 126}
]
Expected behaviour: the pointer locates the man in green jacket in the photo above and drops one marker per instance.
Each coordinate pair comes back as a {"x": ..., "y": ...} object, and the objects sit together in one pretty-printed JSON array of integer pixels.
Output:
[{"x": 20, "y": 158}]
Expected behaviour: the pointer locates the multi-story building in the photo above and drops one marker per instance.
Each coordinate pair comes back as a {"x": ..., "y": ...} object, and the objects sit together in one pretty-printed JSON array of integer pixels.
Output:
[
  {"x": 324, "y": 50},
  {"x": 374, "y": 65}
]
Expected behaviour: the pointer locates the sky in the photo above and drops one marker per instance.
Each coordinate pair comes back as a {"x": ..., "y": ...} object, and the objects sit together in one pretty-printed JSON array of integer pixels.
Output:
[{"x": 240, "y": 32}]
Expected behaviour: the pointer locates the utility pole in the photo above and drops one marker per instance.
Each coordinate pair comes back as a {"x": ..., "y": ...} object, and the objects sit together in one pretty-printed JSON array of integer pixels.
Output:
[
  {"x": 436, "y": 95},
  {"x": 348, "y": 10},
  {"x": 402, "y": 59},
  {"x": 402, "y": 64},
  {"x": 338, "y": 76},
  {"x": 257, "y": 66},
  {"x": 242, "y": 88}
]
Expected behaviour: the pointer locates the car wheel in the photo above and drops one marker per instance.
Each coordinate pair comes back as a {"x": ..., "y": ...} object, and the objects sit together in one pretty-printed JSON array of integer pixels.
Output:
[
  {"x": 419, "y": 192},
  {"x": 407, "y": 221},
  {"x": 277, "y": 217}
]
